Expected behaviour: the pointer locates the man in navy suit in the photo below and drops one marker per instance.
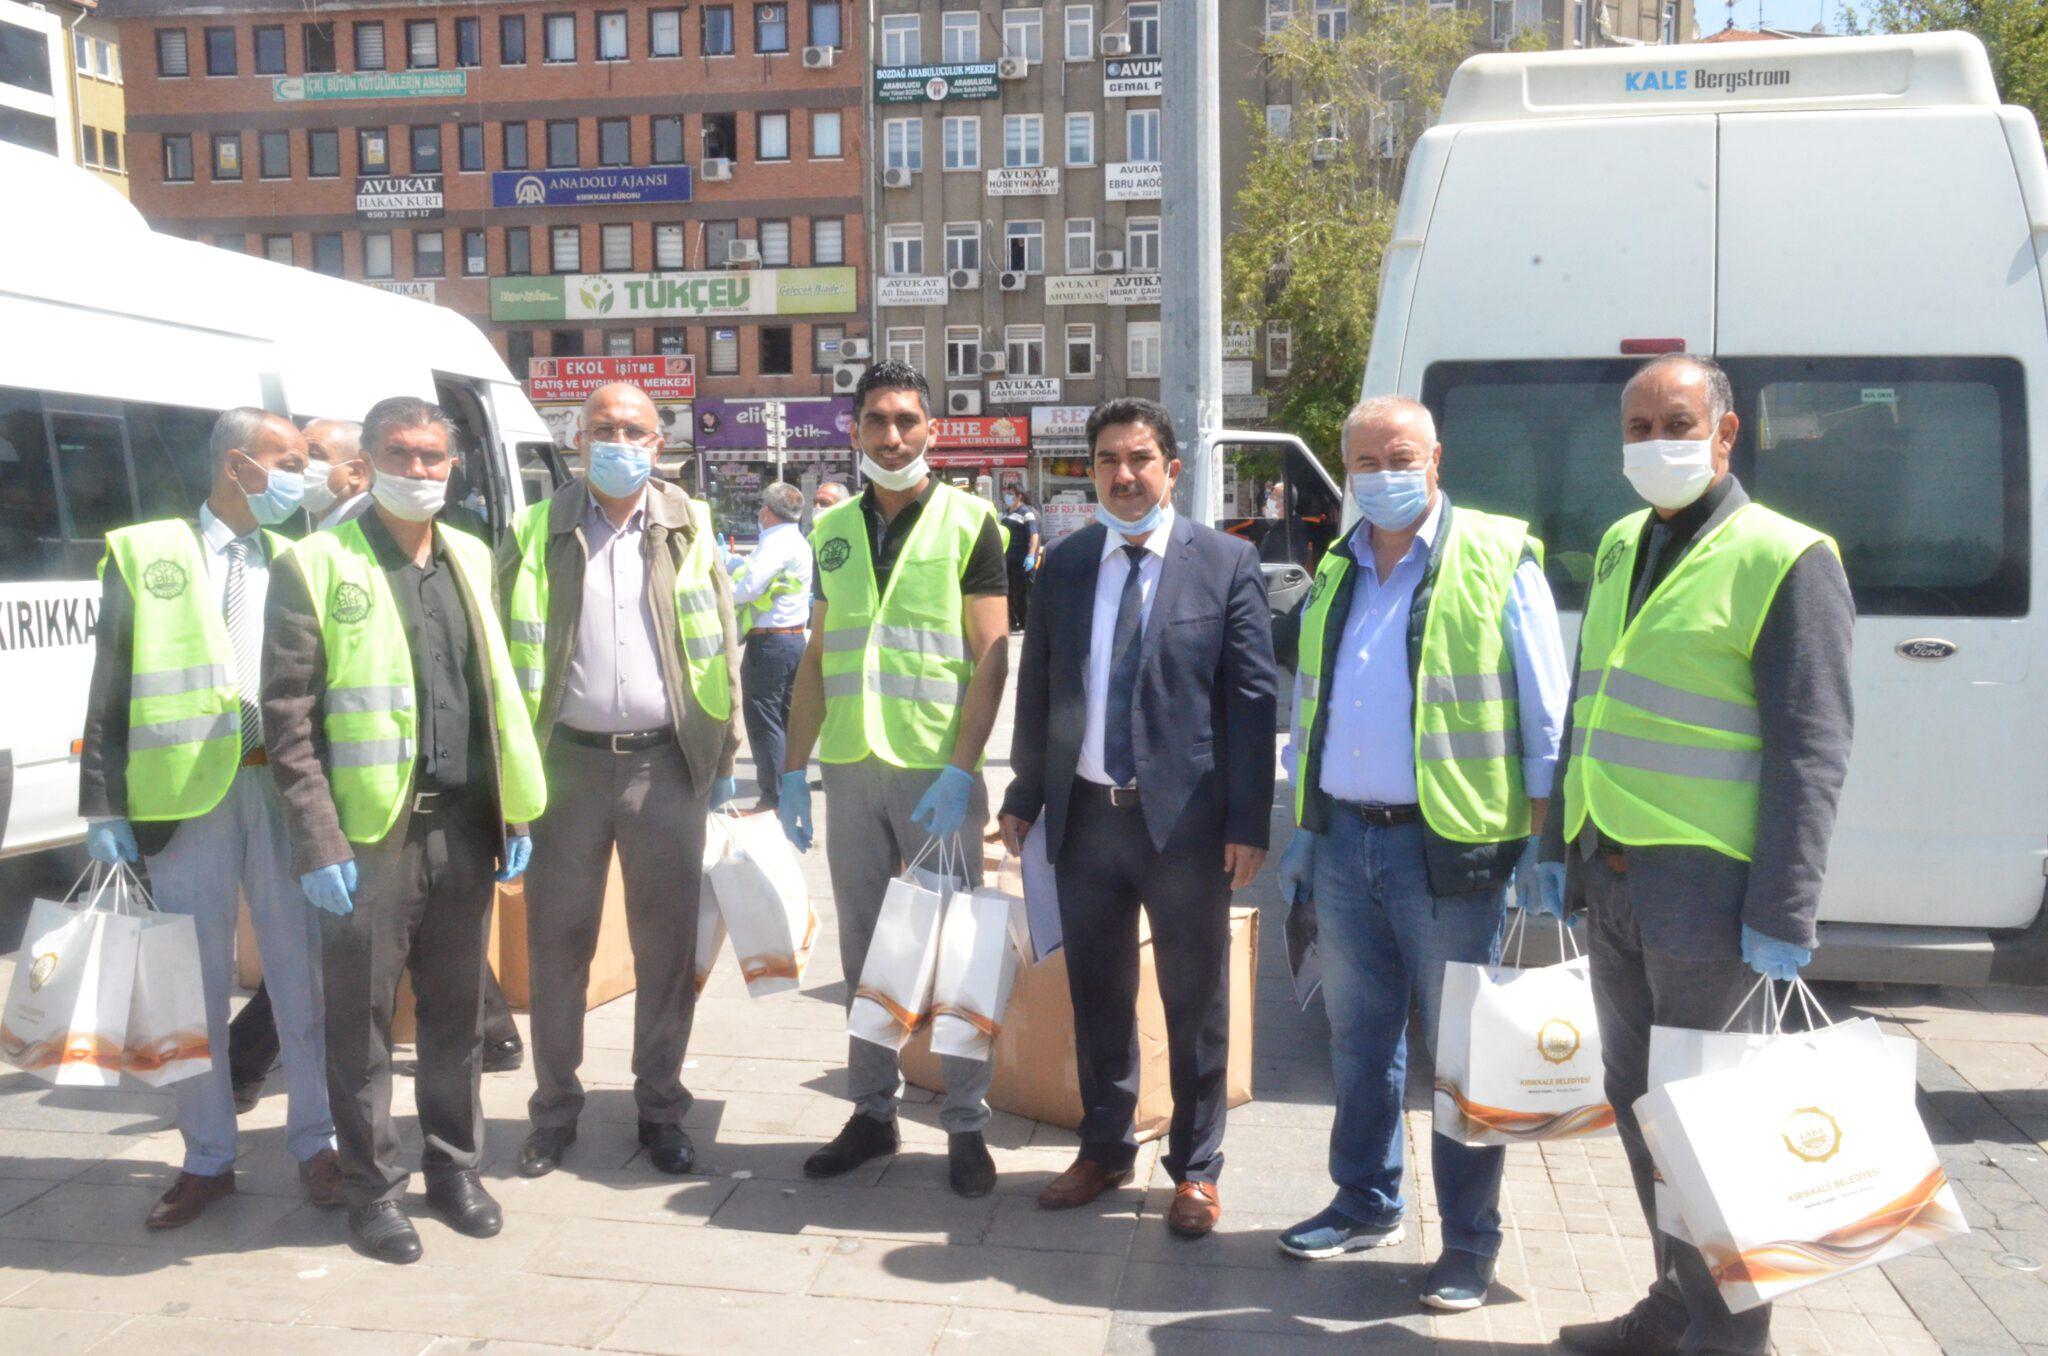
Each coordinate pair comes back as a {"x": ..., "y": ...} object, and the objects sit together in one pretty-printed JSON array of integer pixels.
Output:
[{"x": 1144, "y": 737}]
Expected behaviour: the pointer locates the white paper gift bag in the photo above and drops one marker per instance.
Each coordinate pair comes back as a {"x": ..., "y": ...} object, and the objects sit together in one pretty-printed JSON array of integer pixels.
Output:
[
  {"x": 167, "y": 1034},
  {"x": 764, "y": 903},
  {"x": 977, "y": 967},
  {"x": 710, "y": 922},
  {"x": 894, "y": 995},
  {"x": 1518, "y": 1053},
  {"x": 66, "y": 1018}
]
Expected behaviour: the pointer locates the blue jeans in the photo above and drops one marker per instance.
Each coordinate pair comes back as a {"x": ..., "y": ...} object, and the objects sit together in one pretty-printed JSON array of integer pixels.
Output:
[
  {"x": 1384, "y": 940},
  {"x": 767, "y": 676}
]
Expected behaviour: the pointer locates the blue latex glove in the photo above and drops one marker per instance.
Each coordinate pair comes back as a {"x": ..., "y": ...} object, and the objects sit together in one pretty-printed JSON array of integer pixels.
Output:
[
  {"x": 724, "y": 791},
  {"x": 332, "y": 888},
  {"x": 1297, "y": 865},
  {"x": 1770, "y": 957},
  {"x": 943, "y": 811},
  {"x": 1030, "y": 563},
  {"x": 793, "y": 807},
  {"x": 1539, "y": 886},
  {"x": 518, "y": 852},
  {"x": 111, "y": 842}
]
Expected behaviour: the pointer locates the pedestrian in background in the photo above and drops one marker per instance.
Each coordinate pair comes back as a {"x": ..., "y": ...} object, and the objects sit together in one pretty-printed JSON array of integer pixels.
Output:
[
  {"x": 829, "y": 492},
  {"x": 771, "y": 593},
  {"x": 1021, "y": 546},
  {"x": 337, "y": 480}
]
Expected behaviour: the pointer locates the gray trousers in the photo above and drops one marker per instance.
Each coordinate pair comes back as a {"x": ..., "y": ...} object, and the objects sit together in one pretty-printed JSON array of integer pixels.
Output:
[
  {"x": 1635, "y": 988},
  {"x": 642, "y": 802},
  {"x": 868, "y": 839}
]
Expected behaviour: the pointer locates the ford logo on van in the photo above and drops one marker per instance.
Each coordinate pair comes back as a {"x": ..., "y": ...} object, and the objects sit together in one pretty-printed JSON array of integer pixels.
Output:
[{"x": 1926, "y": 648}]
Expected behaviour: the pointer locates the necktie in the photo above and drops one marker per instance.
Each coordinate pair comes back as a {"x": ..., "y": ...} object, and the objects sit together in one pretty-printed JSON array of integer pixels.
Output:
[
  {"x": 1119, "y": 756},
  {"x": 243, "y": 642},
  {"x": 1653, "y": 559}
]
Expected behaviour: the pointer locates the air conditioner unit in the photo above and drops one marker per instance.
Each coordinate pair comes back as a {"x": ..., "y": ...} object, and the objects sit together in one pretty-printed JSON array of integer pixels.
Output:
[
  {"x": 995, "y": 362},
  {"x": 1109, "y": 261},
  {"x": 1326, "y": 148},
  {"x": 853, "y": 349},
  {"x": 819, "y": 58},
  {"x": 846, "y": 376},
  {"x": 964, "y": 280},
  {"x": 742, "y": 252},
  {"x": 896, "y": 177},
  {"x": 1010, "y": 280},
  {"x": 1116, "y": 44},
  {"x": 963, "y": 402},
  {"x": 1012, "y": 68},
  {"x": 716, "y": 169}
]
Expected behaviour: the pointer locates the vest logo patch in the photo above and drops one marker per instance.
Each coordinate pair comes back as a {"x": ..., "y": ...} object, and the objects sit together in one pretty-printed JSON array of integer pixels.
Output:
[
  {"x": 351, "y": 603},
  {"x": 1315, "y": 590},
  {"x": 833, "y": 553},
  {"x": 165, "y": 579},
  {"x": 1609, "y": 558}
]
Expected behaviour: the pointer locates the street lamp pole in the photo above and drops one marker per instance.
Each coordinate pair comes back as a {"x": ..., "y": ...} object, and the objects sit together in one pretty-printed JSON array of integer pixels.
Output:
[{"x": 1191, "y": 290}]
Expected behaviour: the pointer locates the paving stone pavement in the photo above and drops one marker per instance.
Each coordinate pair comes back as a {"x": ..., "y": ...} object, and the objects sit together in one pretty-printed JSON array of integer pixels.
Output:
[{"x": 746, "y": 1255}]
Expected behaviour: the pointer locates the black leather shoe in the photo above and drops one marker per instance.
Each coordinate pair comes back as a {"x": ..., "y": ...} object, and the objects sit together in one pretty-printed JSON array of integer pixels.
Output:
[
  {"x": 245, "y": 1094},
  {"x": 504, "y": 1056},
  {"x": 542, "y": 1152},
  {"x": 381, "y": 1231},
  {"x": 668, "y": 1147},
  {"x": 862, "y": 1138},
  {"x": 968, "y": 1165},
  {"x": 1630, "y": 1335},
  {"x": 460, "y": 1198}
]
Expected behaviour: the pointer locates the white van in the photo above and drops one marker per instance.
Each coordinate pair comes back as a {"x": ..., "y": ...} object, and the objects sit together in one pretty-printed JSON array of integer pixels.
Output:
[
  {"x": 1857, "y": 230},
  {"x": 118, "y": 347}
]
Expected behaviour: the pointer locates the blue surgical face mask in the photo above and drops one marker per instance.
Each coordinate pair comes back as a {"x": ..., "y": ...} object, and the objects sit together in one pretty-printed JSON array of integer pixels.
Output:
[
  {"x": 1391, "y": 500},
  {"x": 1140, "y": 528},
  {"x": 618, "y": 469},
  {"x": 279, "y": 498}
]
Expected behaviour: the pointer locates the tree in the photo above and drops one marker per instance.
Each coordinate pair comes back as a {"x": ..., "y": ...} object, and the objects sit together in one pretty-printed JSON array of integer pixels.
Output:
[{"x": 2015, "y": 32}]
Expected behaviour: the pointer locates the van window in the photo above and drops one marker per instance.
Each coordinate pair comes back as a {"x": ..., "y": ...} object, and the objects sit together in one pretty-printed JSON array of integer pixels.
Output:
[{"x": 479, "y": 500}]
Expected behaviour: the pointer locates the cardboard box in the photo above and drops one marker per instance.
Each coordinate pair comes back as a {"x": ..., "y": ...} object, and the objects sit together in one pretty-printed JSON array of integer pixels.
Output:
[{"x": 1036, "y": 1072}]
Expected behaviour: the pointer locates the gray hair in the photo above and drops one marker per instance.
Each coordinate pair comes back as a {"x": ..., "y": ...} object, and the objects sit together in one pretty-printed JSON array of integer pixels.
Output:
[
  {"x": 345, "y": 430},
  {"x": 784, "y": 500},
  {"x": 836, "y": 489},
  {"x": 1720, "y": 391},
  {"x": 1382, "y": 409},
  {"x": 393, "y": 413},
  {"x": 236, "y": 429}
]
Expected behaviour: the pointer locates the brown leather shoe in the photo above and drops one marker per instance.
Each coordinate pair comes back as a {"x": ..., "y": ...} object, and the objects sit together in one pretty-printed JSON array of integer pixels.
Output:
[
  {"x": 322, "y": 1177},
  {"x": 1196, "y": 1208},
  {"x": 189, "y": 1195},
  {"x": 1080, "y": 1184}
]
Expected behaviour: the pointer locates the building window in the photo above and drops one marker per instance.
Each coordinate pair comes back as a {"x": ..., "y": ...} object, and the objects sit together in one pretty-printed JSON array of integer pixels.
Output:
[
  {"x": 512, "y": 40},
  {"x": 771, "y": 34},
  {"x": 558, "y": 37},
  {"x": 376, "y": 254},
  {"x": 373, "y": 151},
  {"x": 81, "y": 52},
  {"x": 825, "y": 25},
  {"x": 470, "y": 146},
  {"x": 369, "y": 39},
  {"x": 562, "y": 153},
  {"x": 422, "y": 44},
  {"x": 960, "y": 36},
  {"x": 227, "y": 155},
  {"x": 269, "y": 50},
  {"x": 902, "y": 43},
  {"x": 1024, "y": 34},
  {"x": 327, "y": 253},
  {"x": 1023, "y": 141},
  {"x": 1141, "y": 21},
  {"x": 825, "y": 144},
  {"x": 519, "y": 353},
  {"x": 1333, "y": 19},
  {"x": 1080, "y": 244},
  {"x": 615, "y": 248},
  {"x": 1141, "y": 134},
  {"x": 1141, "y": 244},
  {"x": 614, "y": 141},
  {"x": 725, "y": 353},
  {"x": 429, "y": 255},
  {"x": 1080, "y": 350},
  {"x": 1024, "y": 246},
  {"x": 1024, "y": 348},
  {"x": 717, "y": 26},
  {"x": 514, "y": 138},
  {"x": 1080, "y": 138},
  {"x": 904, "y": 250},
  {"x": 220, "y": 51},
  {"x": 110, "y": 150},
  {"x": 618, "y": 343},
  {"x": 963, "y": 351},
  {"x": 903, "y": 144},
  {"x": 905, "y": 345},
  {"x": 178, "y": 158},
  {"x": 1279, "y": 349},
  {"x": 172, "y": 56},
  {"x": 274, "y": 155},
  {"x": 565, "y": 250},
  {"x": 278, "y": 249},
  {"x": 475, "y": 255},
  {"x": 518, "y": 250},
  {"x": 962, "y": 138},
  {"x": 1279, "y": 120},
  {"x": 89, "y": 146},
  {"x": 1143, "y": 345},
  {"x": 426, "y": 150},
  {"x": 323, "y": 153},
  {"x": 664, "y": 32},
  {"x": 771, "y": 136},
  {"x": 963, "y": 246},
  {"x": 774, "y": 239},
  {"x": 1080, "y": 31},
  {"x": 611, "y": 35},
  {"x": 565, "y": 343},
  {"x": 825, "y": 344},
  {"x": 828, "y": 240},
  {"x": 722, "y": 135},
  {"x": 231, "y": 241},
  {"x": 469, "y": 43},
  {"x": 668, "y": 139},
  {"x": 317, "y": 42},
  {"x": 668, "y": 246}
]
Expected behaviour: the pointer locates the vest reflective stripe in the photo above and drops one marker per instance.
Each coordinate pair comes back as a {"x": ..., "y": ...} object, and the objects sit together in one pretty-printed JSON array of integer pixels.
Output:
[
  {"x": 1667, "y": 743},
  {"x": 173, "y": 682},
  {"x": 169, "y": 734},
  {"x": 370, "y": 721},
  {"x": 896, "y": 662}
]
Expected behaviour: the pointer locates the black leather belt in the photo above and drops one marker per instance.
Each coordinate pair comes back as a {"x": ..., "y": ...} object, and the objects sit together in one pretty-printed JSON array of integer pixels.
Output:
[
  {"x": 631, "y": 742},
  {"x": 1119, "y": 797},
  {"x": 1383, "y": 816}
]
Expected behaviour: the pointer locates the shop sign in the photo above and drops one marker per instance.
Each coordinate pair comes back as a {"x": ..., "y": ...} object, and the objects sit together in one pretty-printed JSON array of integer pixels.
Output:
[
  {"x": 1077, "y": 289},
  {"x": 1132, "y": 180},
  {"x": 399, "y": 197},
  {"x": 1245, "y": 408},
  {"x": 814, "y": 423},
  {"x": 624, "y": 296},
  {"x": 1132, "y": 78},
  {"x": 911, "y": 291},
  {"x": 1060, "y": 424},
  {"x": 292, "y": 89},
  {"x": 662, "y": 377},
  {"x": 565, "y": 421},
  {"x": 1040, "y": 182},
  {"x": 997, "y": 430},
  {"x": 1134, "y": 289},
  {"x": 980, "y": 456},
  {"x": 1060, "y": 518},
  {"x": 936, "y": 84},
  {"x": 1025, "y": 391},
  {"x": 590, "y": 187},
  {"x": 1237, "y": 377},
  {"x": 1240, "y": 340},
  {"x": 418, "y": 290}
]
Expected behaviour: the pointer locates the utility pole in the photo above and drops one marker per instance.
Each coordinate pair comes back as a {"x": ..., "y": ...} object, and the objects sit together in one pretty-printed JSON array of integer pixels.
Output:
[{"x": 1191, "y": 292}]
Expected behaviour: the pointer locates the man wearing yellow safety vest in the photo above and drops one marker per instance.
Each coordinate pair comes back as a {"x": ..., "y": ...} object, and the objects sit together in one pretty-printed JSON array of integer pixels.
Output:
[
  {"x": 401, "y": 744},
  {"x": 1704, "y": 754},
  {"x": 899, "y": 688},
  {"x": 620, "y": 623},
  {"x": 172, "y": 770},
  {"x": 772, "y": 587},
  {"x": 1429, "y": 699}
]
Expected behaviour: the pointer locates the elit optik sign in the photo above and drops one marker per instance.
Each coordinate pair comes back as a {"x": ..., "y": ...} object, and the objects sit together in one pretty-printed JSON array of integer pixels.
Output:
[{"x": 1700, "y": 80}]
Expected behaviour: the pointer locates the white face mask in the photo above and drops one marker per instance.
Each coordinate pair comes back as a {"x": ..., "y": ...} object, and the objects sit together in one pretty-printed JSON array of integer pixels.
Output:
[
  {"x": 1668, "y": 472},
  {"x": 898, "y": 481},
  {"x": 416, "y": 501},
  {"x": 319, "y": 498}
]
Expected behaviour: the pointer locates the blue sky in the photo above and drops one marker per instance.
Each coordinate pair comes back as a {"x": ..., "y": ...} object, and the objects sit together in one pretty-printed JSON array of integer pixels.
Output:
[{"x": 1713, "y": 14}]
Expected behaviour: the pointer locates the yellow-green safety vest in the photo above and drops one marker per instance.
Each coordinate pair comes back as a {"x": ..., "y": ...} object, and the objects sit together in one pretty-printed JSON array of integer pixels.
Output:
[
  {"x": 184, "y": 710},
  {"x": 1468, "y": 758},
  {"x": 784, "y": 585},
  {"x": 896, "y": 664},
  {"x": 698, "y": 624},
  {"x": 370, "y": 723},
  {"x": 1666, "y": 742}
]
